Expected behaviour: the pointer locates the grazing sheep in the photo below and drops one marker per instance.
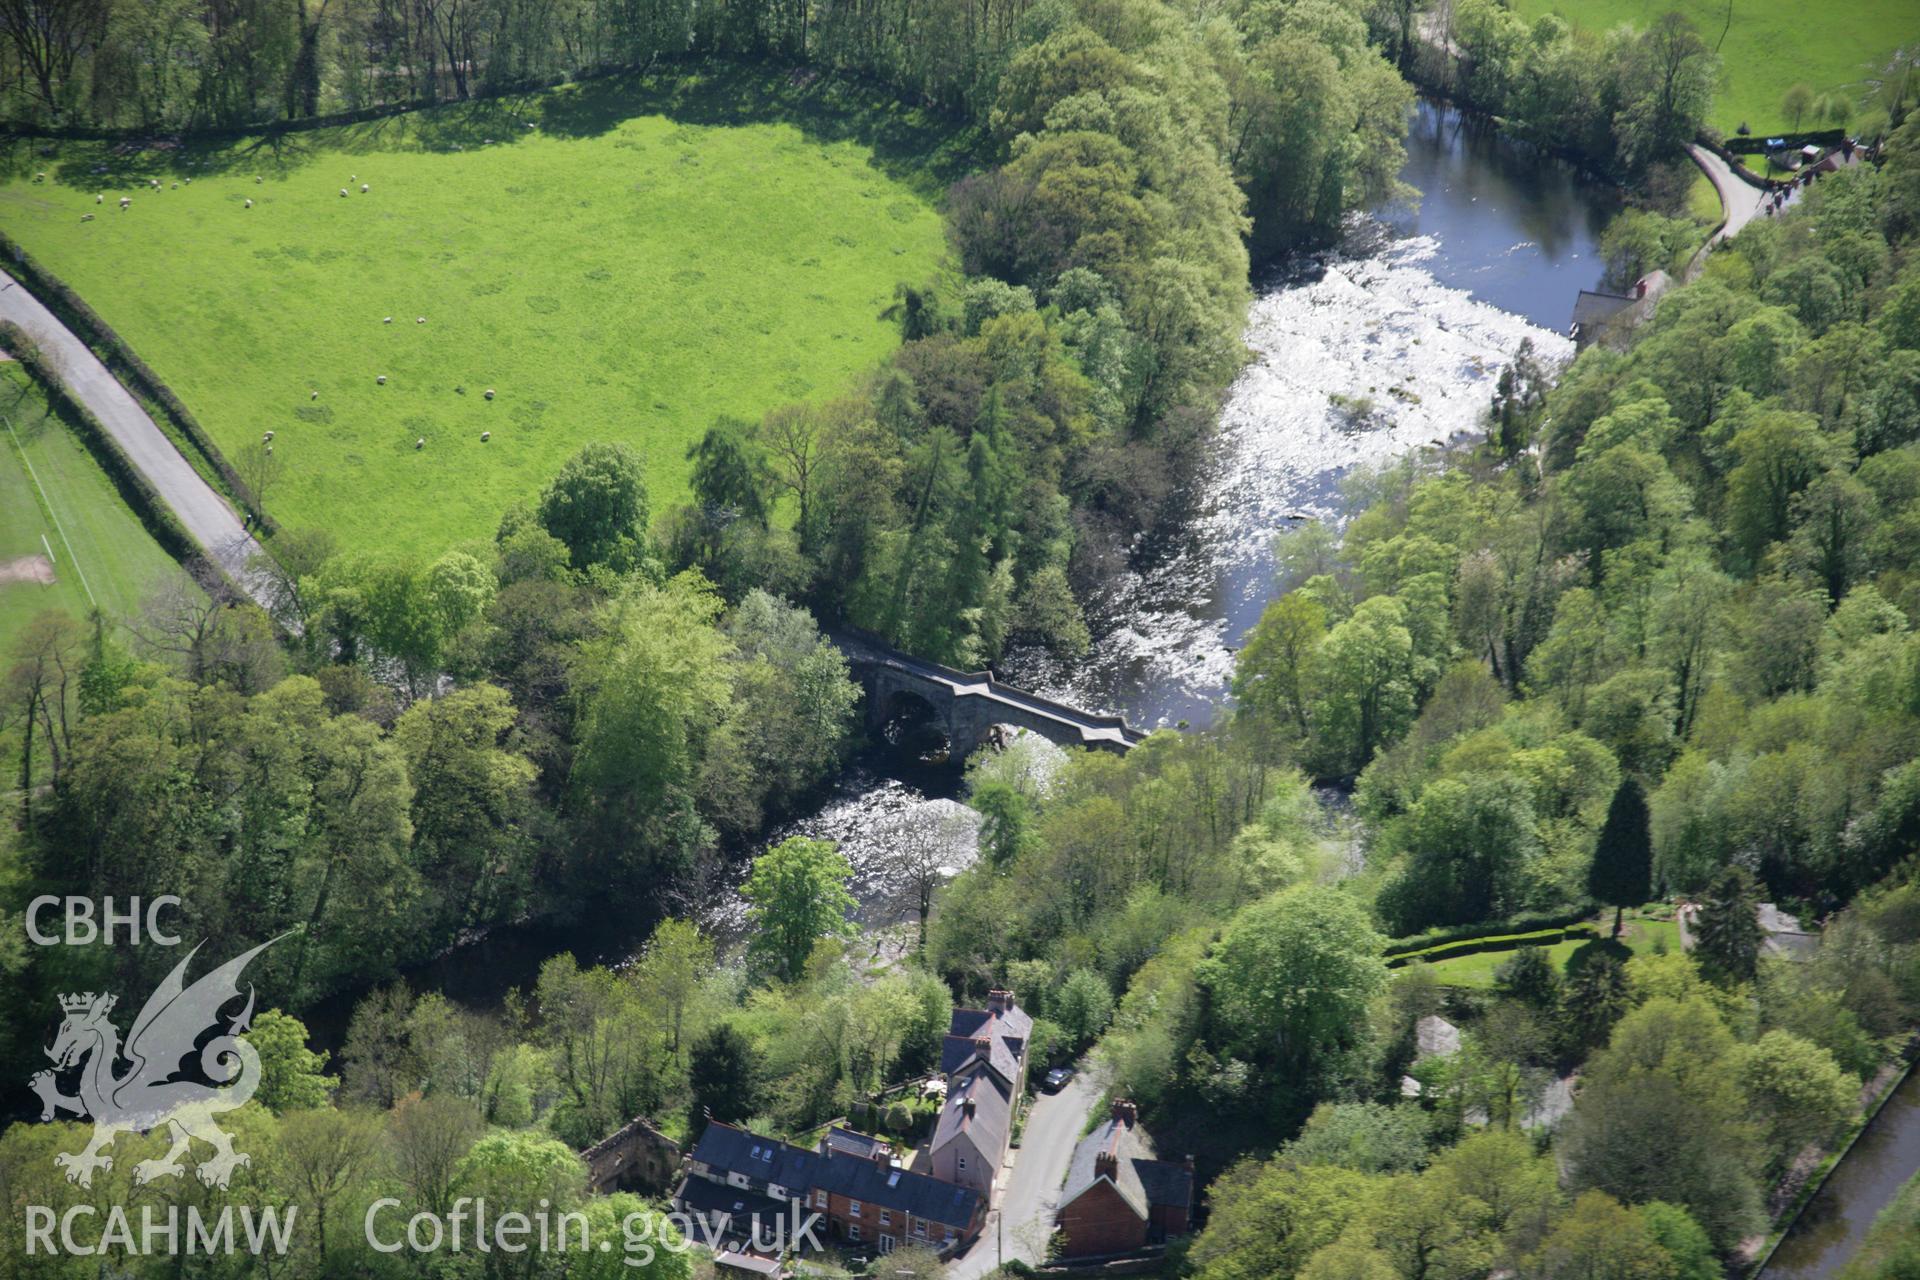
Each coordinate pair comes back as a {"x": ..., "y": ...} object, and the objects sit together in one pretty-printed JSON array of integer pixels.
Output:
[
  {"x": 266, "y": 438},
  {"x": 101, "y": 199},
  {"x": 485, "y": 436},
  {"x": 39, "y": 177},
  {"x": 343, "y": 193},
  {"x": 363, "y": 188},
  {"x": 125, "y": 201},
  {"x": 249, "y": 204},
  {"x": 86, "y": 217},
  {"x": 388, "y": 320},
  {"x": 173, "y": 186},
  {"x": 188, "y": 181},
  {"x": 420, "y": 320},
  {"x": 313, "y": 395},
  {"x": 421, "y": 443},
  {"x": 269, "y": 448},
  {"x": 257, "y": 179},
  {"x": 489, "y": 393},
  {"x": 382, "y": 379}
]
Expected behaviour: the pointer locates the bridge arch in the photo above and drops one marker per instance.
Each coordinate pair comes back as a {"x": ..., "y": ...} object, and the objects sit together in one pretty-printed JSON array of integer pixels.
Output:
[{"x": 908, "y": 718}]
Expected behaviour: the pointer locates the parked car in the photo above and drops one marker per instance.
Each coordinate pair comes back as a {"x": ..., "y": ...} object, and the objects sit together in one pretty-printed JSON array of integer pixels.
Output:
[{"x": 1057, "y": 1079}]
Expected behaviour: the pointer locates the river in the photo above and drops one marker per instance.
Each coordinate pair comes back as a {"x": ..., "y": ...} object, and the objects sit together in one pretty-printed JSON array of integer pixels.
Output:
[
  {"x": 1416, "y": 311},
  {"x": 1835, "y": 1222}
]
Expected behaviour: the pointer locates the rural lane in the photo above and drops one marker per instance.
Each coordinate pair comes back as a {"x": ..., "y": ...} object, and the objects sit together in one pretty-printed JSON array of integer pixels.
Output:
[
  {"x": 1024, "y": 1221},
  {"x": 204, "y": 513},
  {"x": 1740, "y": 200}
]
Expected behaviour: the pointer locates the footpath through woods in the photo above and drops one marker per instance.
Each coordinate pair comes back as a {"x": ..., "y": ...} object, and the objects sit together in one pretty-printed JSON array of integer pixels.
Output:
[{"x": 203, "y": 512}]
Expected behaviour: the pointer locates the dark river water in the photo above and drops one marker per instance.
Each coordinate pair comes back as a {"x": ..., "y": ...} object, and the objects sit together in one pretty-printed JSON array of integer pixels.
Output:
[
  {"x": 1416, "y": 312},
  {"x": 1835, "y": 1222}
]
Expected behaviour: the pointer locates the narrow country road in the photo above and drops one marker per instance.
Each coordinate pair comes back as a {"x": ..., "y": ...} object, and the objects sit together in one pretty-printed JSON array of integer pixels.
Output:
[
  {"x": 1024, "y": 1220},
  {"x": 1740, "y": 200},
  {"x": 205, "y": 514}
]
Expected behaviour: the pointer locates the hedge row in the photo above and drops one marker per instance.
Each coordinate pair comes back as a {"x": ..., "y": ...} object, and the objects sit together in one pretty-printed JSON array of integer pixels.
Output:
[
  {"x": 121, "y": 360},
  {"x": 139, "y": 494},
  {"x": 1756, "y": 144},
  {"x": 1525, "y": 922},
  {"x": 1505, "y": 942}
]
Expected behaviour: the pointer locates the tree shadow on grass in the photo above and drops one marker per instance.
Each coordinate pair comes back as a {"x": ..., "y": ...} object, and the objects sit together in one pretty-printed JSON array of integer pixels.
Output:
[
  {"x": 919, "y": 148},
  {"x": 910, "y": 144},
  {"x": 1598, "y": 949}
]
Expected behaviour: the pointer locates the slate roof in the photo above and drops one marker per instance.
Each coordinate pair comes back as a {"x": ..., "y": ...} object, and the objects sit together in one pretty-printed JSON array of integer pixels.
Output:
[
  {"x": 1592, "y": 308},
  {"x": 992, "y": 1120},
  {"x": 1006, "y": 1032},
  {"x": 1141, "y": 1180},
  {"x": 702, "y": 1199},
  {"x": 1012, "y": 1022},
  {"x": 956, "y": 1051},
  {"x": 845, "y": 1142},
  {"x": 734, "y": 1150},
  {"x": 729, "y": 1150},
  {"x": 891, "y": 1188}
]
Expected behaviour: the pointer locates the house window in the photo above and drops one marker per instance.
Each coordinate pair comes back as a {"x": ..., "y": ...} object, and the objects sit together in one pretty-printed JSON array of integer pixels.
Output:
[
  {"x": 920, "y": 1227},
  {"x": 853, "y": 1208},
  {"x": 820, "y": 1199},
  {"x": 886, "y": 1244},
  {"x": 853, "y": 1231},
  {"x": 886, "y": 1218},
  {"x": 963, "y": 1164}
]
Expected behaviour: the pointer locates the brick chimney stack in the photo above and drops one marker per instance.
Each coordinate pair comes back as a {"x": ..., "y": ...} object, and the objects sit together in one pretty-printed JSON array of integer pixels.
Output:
[
  {"x": 1124, "y": 1112},
  {"x": 999, "y": 1001},
  {"x": 1106, "y": 1164}
]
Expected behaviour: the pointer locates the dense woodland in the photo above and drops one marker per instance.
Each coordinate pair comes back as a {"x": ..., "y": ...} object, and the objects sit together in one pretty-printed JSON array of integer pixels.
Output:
[{"x": 1655, "y": 639}]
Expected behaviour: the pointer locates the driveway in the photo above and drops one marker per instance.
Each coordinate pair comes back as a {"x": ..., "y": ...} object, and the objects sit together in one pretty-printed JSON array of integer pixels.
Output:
[
  {"x": 205, "y": 514},
  {"x": 1024, "y": 1220}
]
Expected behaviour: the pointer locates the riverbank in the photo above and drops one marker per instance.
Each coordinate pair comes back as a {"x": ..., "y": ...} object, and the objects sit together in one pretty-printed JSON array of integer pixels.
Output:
[{"x": 1819, "y": 1233}]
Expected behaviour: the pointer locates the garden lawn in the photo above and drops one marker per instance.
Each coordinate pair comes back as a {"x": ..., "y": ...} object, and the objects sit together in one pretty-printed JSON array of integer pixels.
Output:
[
  {"x": 98, "y": 544},
  {"x": 1641, "y": 935},
  {"x": 1771, "y": 45},
  {"x": 649, "y": 254}
]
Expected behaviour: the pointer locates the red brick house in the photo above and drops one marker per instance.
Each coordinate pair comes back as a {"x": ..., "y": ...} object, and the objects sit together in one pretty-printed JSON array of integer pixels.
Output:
[
  {"x": 851, "y": 1181},
  {"x": 1119, "y": 1198}
]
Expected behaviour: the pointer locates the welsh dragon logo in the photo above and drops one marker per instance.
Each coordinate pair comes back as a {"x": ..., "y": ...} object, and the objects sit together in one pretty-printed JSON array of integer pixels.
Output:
[{"x": 152, "y": 1092}]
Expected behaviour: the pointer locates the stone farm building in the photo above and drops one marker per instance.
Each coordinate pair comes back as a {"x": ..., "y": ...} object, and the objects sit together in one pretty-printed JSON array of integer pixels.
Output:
[{"x": 1119, "y": 1199}]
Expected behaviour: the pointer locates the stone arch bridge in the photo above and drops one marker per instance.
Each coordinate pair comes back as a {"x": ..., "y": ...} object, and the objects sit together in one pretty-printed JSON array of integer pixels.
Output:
[{"x": 968, "y": 704}]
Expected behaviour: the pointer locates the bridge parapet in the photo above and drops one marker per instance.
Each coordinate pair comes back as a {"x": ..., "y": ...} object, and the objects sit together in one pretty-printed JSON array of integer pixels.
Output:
[{"x": 969, "y": 703}]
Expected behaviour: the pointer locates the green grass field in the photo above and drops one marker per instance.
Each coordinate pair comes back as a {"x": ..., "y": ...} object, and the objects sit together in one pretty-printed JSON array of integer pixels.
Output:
[
  {"x": 1771, "y": 44},
  {"x": 54, "y": 497},
  {"x": 1641, "y": 936},
  {"x": 648, "y": 255}
]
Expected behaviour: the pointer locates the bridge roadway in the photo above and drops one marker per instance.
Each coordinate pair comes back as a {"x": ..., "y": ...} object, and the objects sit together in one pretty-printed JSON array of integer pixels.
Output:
[{"x": 968, "y": 704}]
